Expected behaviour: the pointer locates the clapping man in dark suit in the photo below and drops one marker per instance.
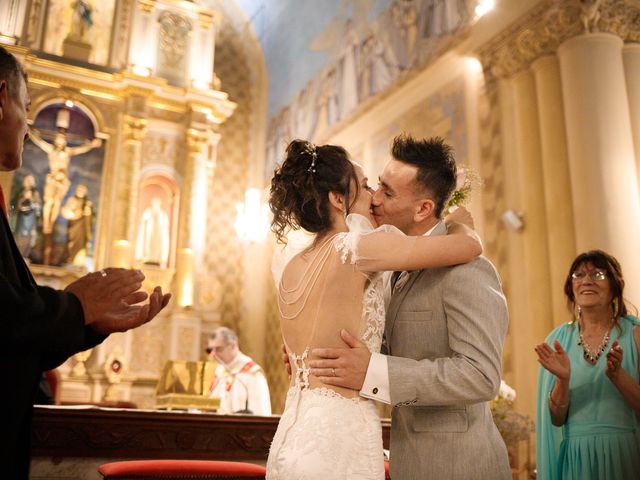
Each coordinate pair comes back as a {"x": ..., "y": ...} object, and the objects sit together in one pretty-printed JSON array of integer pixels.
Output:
[{"x": 42, "y": 327}]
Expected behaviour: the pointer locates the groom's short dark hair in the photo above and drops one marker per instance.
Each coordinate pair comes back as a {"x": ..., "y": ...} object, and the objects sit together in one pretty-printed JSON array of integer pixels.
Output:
[{"x": 435, "y": 163}]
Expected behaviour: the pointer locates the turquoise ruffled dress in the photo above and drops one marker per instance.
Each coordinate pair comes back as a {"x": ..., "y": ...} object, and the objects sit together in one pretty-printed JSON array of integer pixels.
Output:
[{"x": 601, "y": 437}]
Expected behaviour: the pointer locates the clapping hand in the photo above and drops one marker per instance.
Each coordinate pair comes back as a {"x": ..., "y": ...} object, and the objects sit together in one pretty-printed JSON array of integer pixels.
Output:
[
  {"x": 614, "y": 360},
  {"x": 126, "y": 315},
  {"x": 555, "y": 361},
  {"x": 109, "y": 299},
  {"x": 101, "y": 292}
]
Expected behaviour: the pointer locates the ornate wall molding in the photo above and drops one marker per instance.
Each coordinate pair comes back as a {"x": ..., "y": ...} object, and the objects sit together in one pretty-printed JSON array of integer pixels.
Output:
[{"x": 541, "y": 31}]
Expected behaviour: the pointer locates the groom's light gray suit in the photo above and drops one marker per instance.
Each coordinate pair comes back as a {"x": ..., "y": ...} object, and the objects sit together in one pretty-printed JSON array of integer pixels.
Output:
[{"x": 444, "y": 334}]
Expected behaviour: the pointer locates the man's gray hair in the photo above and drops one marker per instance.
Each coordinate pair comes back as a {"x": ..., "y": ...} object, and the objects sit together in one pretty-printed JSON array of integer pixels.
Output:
[
  {"x": 227, "y": 334},
  {"x": 11, "y": 71}
]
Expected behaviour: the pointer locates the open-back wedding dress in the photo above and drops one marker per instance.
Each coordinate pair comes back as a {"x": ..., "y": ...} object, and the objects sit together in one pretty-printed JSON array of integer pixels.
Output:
[{"x": 333, "y": 432}]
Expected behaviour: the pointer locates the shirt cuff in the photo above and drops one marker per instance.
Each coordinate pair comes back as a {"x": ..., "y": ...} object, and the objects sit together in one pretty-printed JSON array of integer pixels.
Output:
[{"x": 376, "y": 382}]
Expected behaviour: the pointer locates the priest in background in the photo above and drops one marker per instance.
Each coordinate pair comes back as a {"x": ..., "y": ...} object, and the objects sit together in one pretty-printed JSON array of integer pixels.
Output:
[{"x": 239, "y": 382}]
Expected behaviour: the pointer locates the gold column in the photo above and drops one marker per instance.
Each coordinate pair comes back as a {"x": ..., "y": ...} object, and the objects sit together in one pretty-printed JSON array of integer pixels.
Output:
[
  {"x": 193, "y": 207},
  {"x": 601, "y": 156},
  {"x": 556, "y": 177},
  {"x": 631, "y": 59}
]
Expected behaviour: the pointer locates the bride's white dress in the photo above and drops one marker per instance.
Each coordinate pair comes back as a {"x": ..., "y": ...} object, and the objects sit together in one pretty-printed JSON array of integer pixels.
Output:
[{"x": 323, "y": 434}]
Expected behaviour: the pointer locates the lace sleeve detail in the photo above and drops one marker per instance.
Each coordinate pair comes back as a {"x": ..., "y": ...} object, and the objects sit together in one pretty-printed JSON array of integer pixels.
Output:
[{"x": 346, "y": 243}]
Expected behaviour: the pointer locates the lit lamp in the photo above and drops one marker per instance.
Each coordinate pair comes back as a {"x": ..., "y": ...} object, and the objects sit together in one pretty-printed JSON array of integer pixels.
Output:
[{"x": 252, "y": 218}]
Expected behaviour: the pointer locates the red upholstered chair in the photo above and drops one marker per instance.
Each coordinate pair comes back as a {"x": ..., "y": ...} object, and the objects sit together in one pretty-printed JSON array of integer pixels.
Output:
[{"x": 180, "y": 470}]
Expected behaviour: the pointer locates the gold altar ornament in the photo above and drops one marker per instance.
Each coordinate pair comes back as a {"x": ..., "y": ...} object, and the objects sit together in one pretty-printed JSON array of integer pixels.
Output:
[{"x": 184, "y": 385}]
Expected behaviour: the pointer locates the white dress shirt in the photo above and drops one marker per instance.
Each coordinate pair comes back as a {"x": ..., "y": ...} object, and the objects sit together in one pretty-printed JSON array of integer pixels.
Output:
[{"x": 376, "y": 382}]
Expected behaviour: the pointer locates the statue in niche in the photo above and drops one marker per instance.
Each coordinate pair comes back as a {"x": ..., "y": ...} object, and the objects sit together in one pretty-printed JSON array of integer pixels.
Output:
[
  {"x": 78, "y": 210},
  {"x": 590, "y": 15},
  {"x": 81, "y": 20},
  {"x": 28, "y": 208},
  {"x": 152, "y": 245},
  {"x": 57, "y": 181}
]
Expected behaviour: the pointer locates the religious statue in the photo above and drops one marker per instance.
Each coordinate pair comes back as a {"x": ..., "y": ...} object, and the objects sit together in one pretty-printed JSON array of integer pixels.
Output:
[
  {"x": 590, "y": 15},
  {"x": 81, "y": 20},
  {"x": 57, "y": 181},
  {"x": 28, "y": 207},
  {"x": 78, "y": 210},
  {"x": 152, "y": 246}
]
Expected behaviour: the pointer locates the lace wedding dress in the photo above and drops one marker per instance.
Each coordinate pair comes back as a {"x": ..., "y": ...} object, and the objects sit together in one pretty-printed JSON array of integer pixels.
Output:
[{"x": 330, "y": 432}]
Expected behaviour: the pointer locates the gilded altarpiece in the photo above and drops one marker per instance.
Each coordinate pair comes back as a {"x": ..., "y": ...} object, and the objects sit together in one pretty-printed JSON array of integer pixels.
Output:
[{"x": 148, "y": 173}]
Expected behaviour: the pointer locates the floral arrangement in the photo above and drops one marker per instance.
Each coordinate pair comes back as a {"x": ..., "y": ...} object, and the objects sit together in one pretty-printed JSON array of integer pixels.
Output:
[
  {"x": 466, "y": 180},
  {"x": 513, "y": 426}
]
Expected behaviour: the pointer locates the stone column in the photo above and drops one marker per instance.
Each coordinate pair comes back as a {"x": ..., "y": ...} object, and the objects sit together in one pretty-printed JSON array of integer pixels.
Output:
[
  {"x": 531, "y": 269},
  {"x": 631, "y": 59},
  {"x": 193, "y": 203},
  {"x": 515, "y": 292},
  {"x": 11, "y": 20},
  {"x": 202, "y": 53},
  {"x": 603, "y": 170},
  {"x": 134, "y": 132},
  {"x": 556, "y": 177},
  {"x": 144, "y": 38}
]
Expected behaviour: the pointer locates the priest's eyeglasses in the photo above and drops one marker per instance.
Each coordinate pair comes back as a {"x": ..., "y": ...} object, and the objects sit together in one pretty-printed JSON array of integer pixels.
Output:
[{"x": 594, "y": 275}]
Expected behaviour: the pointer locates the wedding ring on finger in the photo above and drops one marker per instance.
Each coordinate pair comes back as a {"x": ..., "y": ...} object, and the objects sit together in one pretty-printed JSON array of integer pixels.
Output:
[
  {"x": 103, "y": 273},
  {"x": 333, "y": 372}
]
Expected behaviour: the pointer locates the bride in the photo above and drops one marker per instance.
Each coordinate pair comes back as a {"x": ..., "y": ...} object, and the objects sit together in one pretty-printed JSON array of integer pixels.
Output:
[{"x": 336, "y": 283}]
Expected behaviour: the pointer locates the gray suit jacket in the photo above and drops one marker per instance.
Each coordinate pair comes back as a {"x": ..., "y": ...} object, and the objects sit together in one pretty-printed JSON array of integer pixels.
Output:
[{"x": 444, "y": 333}]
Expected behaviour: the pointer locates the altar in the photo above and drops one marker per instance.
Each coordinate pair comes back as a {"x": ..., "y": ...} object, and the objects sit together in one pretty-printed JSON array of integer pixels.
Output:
[{"x": 70, "y": 442}]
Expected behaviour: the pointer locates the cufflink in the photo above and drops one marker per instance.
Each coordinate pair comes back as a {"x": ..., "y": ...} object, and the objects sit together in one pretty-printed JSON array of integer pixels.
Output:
[{"x": 375, "y": 390}]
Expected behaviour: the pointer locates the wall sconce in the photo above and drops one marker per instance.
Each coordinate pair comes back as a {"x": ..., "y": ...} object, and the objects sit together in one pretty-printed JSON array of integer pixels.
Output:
[
  {"x": 513, "y": 220},
  {"x": 252, "y": 218}
]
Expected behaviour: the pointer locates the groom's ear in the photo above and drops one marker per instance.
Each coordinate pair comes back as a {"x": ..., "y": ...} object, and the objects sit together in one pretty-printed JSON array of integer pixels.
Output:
[
  {"x": 425, "y": 208},
  {"x": 337, "y": 201}
]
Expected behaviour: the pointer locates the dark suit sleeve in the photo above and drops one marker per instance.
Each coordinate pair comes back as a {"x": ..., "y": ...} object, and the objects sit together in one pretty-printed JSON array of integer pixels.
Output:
[{"x": 42, "y": 318}]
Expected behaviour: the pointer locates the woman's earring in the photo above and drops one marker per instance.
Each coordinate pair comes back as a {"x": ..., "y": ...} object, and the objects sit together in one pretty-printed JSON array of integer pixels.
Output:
[
  {"x": 615, "y": 308},
  {"x": 344, "y": 213},
  {"x": 577, "y": 312}
]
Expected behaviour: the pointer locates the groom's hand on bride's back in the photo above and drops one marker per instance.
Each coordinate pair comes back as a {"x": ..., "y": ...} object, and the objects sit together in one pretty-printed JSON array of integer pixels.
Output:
[{"x": 342, "y": 367}]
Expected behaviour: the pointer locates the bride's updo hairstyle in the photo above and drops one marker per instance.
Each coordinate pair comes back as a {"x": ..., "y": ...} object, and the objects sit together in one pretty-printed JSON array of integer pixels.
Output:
[{"x": 299, "y": 195}]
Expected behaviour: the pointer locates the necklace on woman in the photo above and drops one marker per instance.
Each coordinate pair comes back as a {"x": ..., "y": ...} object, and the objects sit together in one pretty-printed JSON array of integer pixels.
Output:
[{"x": 591, "y": 354}]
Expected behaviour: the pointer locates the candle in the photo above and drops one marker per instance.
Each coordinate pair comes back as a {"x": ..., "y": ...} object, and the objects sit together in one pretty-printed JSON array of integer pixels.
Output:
[
  {"x": 121, "y": 254},
  {"x": 62, "y": 118}
]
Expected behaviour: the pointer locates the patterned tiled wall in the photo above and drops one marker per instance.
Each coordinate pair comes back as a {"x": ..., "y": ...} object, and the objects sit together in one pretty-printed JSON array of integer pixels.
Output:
[{"x": 223, "y": 254}]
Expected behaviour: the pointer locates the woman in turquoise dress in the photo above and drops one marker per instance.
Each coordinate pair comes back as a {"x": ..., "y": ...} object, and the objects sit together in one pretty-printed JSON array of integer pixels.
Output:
[{"x": 588, "y": 385}]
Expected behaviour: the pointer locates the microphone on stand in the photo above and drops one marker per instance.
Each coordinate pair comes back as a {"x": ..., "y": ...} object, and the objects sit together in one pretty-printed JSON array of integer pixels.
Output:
[{"x": 245, "y": 410}]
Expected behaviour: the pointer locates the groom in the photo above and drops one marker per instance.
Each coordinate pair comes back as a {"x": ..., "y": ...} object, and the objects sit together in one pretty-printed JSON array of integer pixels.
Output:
[{"x": 444, "y": 334}]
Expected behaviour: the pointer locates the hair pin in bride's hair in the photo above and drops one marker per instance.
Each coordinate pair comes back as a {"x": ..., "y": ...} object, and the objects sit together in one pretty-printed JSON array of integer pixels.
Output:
[{"x": 311, "y": 149}]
